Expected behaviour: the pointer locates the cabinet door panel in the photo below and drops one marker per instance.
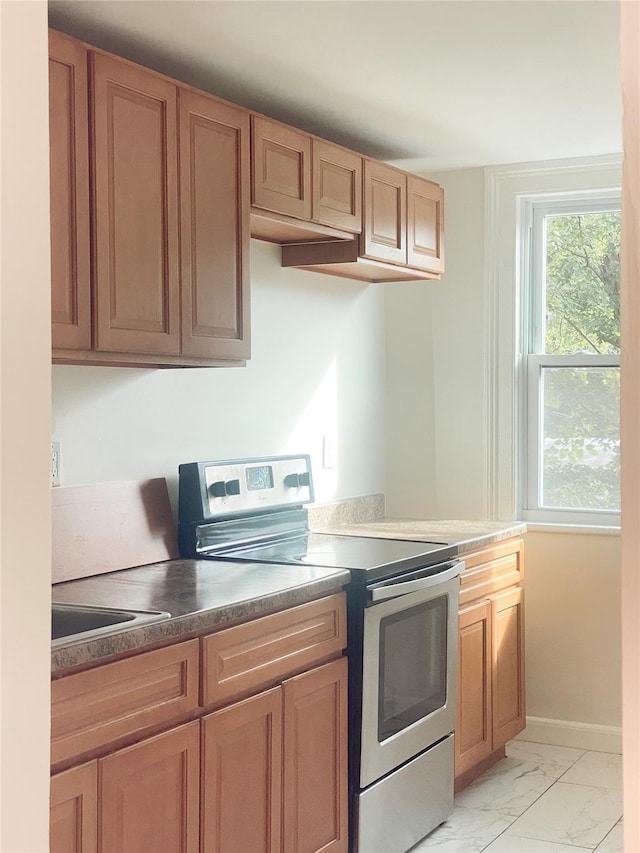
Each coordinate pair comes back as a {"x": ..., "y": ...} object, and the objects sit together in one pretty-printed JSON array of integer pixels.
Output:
[
  {"x": 242, "y": 772},
  {"x": 73, "y": 826},
  {"x": 150, "y": 794},
  {"x": 385, "y": 213},
  {"x": 69, "y": 187},
  {"x": 281, "y": 168},
  {"x": 214, "y": 182},
  {"x": 315, "y": 760},
  {"x": 337, "y": 186},
  {"x": 425, "y": 225},
  {"x": 508, "y": 675},
  {"x": 136, "y": 193},
  {"x": 473, "y": 736}
]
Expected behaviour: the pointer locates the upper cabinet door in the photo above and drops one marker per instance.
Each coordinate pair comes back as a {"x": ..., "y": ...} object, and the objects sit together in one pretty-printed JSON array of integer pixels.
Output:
[
  {"x": 337, "y": 186},
  {"x": 425, "y": 225},
  {"x": 281, "y": 168},
  {"x": 384, "y": 236},
  {"x": 69, "y": 182},
  {"x": 135, "y": 208},
  {"x": 214, "y": 203}
]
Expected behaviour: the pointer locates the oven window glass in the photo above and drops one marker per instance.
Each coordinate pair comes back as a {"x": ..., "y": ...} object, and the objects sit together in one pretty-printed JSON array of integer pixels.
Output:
[{"x": 413, "y": 665}]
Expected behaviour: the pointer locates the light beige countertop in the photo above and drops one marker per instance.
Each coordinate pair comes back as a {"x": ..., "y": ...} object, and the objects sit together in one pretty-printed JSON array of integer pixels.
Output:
[{"x": 467, "y": 535}]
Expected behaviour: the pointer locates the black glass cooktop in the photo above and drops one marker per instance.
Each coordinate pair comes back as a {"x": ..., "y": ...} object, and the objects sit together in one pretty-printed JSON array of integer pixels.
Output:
[{"x": 360, "y": 554}]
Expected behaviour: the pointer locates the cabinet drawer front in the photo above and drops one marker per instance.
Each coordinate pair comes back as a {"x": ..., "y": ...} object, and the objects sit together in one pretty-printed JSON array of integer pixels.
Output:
[
  {"x": 102, "y": 705},
  {"x": 248, "y": 657},
  {"x": 492, "y": 569}
]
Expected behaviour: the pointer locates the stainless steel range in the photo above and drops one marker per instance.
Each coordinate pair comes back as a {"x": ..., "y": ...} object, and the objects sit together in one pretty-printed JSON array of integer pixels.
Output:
[{"x": 402, "y": 635}]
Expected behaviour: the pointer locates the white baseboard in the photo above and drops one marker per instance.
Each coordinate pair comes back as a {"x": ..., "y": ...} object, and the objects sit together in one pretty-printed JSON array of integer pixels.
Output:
[{"x": 578, "y": 735}]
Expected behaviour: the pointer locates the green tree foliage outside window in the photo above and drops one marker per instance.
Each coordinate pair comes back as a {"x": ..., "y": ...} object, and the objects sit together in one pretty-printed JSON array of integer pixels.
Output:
[{"x": 581, "y": 422}]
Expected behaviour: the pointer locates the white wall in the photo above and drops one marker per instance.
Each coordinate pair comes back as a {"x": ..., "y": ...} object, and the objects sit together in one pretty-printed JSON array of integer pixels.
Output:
[
  {"x": 440, "y": 343},
  {"x": 317, "y": 368},
  {"x": 435, "y": 371},
  {"x": 25, "y": 498}
]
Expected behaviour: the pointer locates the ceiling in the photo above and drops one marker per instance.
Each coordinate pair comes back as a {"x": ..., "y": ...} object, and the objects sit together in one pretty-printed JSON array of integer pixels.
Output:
[{"x": 426, "y": 84}]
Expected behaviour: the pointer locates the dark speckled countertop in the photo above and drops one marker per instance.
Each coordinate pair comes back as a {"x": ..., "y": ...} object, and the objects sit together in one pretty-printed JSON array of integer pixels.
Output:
[{"x": 199, "y": 594}]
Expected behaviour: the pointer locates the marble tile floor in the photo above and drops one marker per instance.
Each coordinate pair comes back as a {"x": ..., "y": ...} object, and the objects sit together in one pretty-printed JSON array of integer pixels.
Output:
[{"x": 539, "y": 799}]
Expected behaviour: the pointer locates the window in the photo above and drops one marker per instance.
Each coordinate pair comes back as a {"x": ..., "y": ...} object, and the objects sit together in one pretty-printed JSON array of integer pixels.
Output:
[{"x": 571, "y": 432}]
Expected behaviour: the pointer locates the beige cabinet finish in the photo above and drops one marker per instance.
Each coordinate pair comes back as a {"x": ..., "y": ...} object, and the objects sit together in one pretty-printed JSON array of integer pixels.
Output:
[
  {"x": 281, "y": 168},
  {"x": 69, "y": 187},
  {"x": 491, "y": 687}
]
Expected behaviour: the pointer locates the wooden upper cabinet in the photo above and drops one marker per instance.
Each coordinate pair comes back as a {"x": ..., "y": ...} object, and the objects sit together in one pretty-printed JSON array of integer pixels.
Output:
[
  {"x": 135, "y": 208},
  {"x": 336, "y": 186},
  {"x": 384, "y": 236},
  {"x": 69, "y": 187},
  {"x": 303, "y": 189},
  {"x": 214, "y": 199},
  {"x": 281, "y": 168},
  {"x": 425, "y": 225}
]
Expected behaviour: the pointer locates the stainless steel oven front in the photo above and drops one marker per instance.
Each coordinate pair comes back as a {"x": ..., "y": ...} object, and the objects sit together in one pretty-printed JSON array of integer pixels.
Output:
[{"x": 408, "y": 706}]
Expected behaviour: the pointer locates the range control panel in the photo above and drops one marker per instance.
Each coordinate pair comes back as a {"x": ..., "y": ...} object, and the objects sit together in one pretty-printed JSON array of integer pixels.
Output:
[{"x": 209, "y": 490}]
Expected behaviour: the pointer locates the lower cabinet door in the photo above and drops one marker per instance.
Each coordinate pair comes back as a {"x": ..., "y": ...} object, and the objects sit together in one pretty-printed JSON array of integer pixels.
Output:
[
  {"x": 242, "y": 776},
  {"x": 508, "y": 673},
  {"x": 315, "y": 760},
  {"x": 150, "y": 794},
  {"x": 73, "y": 826},
  {"x": 474, "y": 728}
]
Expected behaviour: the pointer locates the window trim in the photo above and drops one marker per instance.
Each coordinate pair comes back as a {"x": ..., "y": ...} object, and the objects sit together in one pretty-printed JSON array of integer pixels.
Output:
[{"x": 532, "y": 210}]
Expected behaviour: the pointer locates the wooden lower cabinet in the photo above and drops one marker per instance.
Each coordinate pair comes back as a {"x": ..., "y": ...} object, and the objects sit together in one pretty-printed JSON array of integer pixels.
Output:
[
  {"x": 284, "y": 752},
  {"x": 149, "y": 794},
  {"x": 242, "y": 764},
  {"x": 74, "y": 810},
  {"x": 144, "y": 798},
  {"x": 231, "y": 742},
  {"x": 491, "y": 688}
]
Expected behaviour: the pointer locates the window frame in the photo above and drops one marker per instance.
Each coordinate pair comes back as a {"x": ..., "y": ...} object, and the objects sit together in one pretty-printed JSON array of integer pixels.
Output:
[{"x": 533, "y": 210}]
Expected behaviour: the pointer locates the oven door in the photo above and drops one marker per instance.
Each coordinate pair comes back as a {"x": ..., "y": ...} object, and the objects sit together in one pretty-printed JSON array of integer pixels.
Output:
[{"x": 410, "y": 652}]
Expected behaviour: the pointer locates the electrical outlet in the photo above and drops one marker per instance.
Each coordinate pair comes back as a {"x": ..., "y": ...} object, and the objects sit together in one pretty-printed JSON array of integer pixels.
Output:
[
  {"x": 328, "y": 452},
  {"x": 55, "y": 463}
]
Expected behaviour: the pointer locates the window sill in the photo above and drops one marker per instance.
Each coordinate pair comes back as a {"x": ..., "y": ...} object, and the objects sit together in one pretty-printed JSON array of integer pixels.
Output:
[{"x": 588, "y": 529}]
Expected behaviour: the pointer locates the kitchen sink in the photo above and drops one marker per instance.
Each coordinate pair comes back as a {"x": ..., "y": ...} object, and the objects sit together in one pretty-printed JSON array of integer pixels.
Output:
[{"x": 72, "y": 623}]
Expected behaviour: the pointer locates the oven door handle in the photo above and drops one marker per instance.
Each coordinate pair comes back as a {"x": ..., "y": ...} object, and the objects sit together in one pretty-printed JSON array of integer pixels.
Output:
[{"x": 393, "y": 590}]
